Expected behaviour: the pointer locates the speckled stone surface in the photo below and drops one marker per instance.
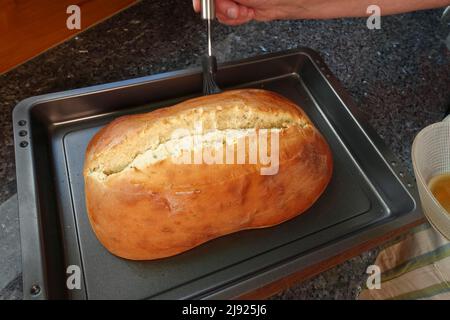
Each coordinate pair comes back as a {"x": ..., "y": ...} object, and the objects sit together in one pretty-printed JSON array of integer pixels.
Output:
[
  {"x": 343, "y": 282},
  {"x": 10, "y": 263},
  {"x": 399, "y": 76}
]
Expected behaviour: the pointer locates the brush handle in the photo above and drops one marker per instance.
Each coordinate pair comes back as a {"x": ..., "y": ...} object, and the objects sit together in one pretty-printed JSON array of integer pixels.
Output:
[{"x": 208, "y": 10}]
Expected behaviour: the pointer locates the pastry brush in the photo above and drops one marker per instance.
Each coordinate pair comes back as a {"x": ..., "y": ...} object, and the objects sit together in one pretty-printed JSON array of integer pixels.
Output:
[{"x": 209, "y": 61}]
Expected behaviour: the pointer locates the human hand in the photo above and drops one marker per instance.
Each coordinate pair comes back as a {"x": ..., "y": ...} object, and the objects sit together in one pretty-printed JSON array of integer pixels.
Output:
[{"x": 235, "y": 12}]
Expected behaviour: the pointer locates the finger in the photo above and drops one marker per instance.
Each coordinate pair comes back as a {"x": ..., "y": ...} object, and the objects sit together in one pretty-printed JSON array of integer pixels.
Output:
[
  {"x": 233, "y": 22},
  {"x": 227, "y": 8},
  {"x": 243, "y": 12},
  {"x": 251, "y": 13},
  {"x": 231, "y": 13},
  {"x": 246, "y": 14},
  {"x": 196, "y": 5}
]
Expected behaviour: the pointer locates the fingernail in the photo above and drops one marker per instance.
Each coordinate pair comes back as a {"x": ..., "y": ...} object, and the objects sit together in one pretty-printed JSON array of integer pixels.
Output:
[{"x": 232, "y": 13}]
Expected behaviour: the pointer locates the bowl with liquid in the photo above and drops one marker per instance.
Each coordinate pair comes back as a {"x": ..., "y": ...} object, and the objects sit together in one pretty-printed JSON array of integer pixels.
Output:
[{"x": 431, "y": 161}]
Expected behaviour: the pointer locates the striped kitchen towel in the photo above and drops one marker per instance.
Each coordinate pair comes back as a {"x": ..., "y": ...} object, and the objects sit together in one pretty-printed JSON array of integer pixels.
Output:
[{"x": 414, "y": 266}]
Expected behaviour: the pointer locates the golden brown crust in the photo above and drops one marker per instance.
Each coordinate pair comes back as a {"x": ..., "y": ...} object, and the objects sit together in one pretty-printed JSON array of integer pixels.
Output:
[{"x": 165, "y": 209}]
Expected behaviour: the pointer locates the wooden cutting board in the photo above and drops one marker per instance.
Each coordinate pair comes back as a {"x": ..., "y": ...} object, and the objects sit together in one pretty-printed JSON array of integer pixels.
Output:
[{"x": 29, "y": 27}]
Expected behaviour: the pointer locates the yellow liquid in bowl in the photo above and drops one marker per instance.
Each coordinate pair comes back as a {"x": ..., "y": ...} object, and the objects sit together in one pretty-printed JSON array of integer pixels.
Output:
[{"x": 440, "y": 187}]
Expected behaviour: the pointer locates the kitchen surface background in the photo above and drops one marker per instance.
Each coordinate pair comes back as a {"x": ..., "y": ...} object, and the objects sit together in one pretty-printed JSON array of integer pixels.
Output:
[{"x": 399, "y": 76}]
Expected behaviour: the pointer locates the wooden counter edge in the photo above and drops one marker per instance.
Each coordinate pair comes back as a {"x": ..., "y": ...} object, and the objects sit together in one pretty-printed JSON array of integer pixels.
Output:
[{"x": 9, "y": 67}]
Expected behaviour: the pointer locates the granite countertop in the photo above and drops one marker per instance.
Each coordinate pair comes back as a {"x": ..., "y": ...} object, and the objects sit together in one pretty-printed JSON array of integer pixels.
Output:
[{"x": 399, "y": 76}]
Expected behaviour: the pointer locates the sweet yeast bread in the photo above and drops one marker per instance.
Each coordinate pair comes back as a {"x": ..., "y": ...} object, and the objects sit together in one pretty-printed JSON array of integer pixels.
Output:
[{"x": 143, "y": 203}]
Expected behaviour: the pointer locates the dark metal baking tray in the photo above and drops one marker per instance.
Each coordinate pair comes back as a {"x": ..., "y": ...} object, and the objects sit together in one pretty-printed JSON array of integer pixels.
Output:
[{"x": 369, "y": 194}]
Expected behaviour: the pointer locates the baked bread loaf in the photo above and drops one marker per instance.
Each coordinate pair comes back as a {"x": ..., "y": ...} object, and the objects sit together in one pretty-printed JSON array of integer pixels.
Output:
[{"x": 150, "y": 194}]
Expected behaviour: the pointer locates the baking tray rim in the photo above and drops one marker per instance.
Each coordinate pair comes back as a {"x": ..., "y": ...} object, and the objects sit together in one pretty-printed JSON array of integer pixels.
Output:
[{"x": 32, "y": 246}]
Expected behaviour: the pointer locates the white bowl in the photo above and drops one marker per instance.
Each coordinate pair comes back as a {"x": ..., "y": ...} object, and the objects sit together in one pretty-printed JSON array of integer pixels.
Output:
[{"x": 431, "y": 157}]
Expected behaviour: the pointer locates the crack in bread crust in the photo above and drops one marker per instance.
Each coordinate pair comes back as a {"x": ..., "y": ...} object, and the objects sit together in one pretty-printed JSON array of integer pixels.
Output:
[{"x": 173, "y": 148}]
